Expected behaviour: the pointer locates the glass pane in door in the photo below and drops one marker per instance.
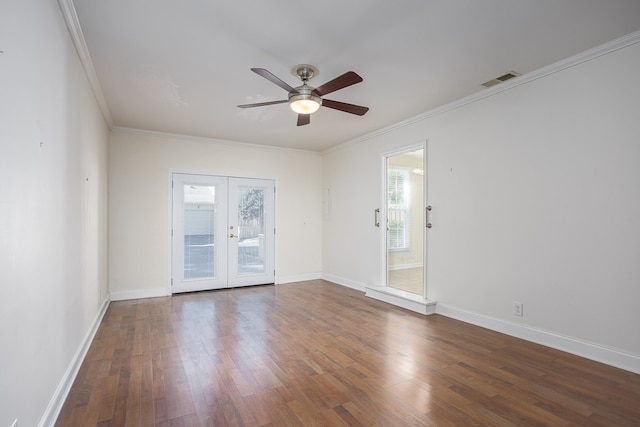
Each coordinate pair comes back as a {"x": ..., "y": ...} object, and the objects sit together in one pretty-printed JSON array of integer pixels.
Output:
[
  {"x": 199, "y": 231},
  {"x": 251, "y": 230},
  {"x": 405, "y": 221}
]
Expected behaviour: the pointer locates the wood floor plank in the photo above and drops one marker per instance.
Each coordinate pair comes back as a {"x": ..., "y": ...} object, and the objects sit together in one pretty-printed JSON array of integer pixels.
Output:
[{"x": 314, "y": 353}]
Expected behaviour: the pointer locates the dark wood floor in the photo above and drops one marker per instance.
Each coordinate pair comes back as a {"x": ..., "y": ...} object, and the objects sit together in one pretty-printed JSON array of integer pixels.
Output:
[{"x": 318, "y": 354}]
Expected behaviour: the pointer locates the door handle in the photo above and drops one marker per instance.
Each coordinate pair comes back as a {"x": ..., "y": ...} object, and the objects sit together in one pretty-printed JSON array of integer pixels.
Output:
[
  {"x": 376, "y": 217},
  {"x": 426, "y": 216},
  {"x": 232, "y": 235}
]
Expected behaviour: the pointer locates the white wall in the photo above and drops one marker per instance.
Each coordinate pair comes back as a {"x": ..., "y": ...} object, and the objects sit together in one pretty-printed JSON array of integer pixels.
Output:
[
  {"x": 53, "y": 206},
  {"x": 536, "y": 199},
  {"x": 139, "y": 198}
]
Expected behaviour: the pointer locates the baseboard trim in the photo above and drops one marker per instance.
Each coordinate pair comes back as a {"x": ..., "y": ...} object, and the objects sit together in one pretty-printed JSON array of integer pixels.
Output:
[
  {"x": 298, "y": 278},
  {"x": 139, "y": 294},
  {"x": 162, "y": 292},
  {"x": 402, "y": 299},
  {"x": 588, "y": 350},
  {"x": 54, "y": 407},
  {"x": 397, "y": 298},
  {"x": 344, "y": 282}
]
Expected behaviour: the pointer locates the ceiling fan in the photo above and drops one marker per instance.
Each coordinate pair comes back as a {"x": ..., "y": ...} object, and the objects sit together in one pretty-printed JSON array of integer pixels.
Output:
[{"x": 306, "y": 100}]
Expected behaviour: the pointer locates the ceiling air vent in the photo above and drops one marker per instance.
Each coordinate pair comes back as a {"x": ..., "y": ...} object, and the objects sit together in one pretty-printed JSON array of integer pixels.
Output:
[{"x": 503, "y": 78}]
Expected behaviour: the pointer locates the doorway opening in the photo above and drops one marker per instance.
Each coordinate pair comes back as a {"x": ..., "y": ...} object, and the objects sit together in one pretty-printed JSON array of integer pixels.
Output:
[
  {"x": 223, "y": 232},
  {"x": 405, "y": 220}
]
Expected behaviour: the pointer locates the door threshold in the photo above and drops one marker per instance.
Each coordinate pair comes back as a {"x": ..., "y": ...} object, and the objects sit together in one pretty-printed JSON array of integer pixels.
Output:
[{"x": 402, "y": 299}]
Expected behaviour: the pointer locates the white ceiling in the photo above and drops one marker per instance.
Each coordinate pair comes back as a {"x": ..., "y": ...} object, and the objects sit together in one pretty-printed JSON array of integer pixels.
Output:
[{"x": 183, "y": 66}]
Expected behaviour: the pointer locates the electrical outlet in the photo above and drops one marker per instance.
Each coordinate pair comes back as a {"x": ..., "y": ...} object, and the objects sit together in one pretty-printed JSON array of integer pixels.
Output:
[{"x": 518, "y": 309}]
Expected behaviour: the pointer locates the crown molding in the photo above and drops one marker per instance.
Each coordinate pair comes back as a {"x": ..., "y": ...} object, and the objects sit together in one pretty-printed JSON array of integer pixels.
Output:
[
  {"x": 75, "y": 31},
  {"x": 572, "y": 61}
]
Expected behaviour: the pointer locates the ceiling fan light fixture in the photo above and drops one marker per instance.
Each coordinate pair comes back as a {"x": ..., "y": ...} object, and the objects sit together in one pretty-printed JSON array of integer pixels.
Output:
[
  {"x": 305, "y": 103},
  {"x": 306, "y": 100}
]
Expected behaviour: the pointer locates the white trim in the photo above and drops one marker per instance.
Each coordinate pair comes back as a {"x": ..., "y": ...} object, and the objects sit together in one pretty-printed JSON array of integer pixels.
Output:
[
  {"x": 588, "y": 350},
  {"x": 297, "y": 278},
  {"x": 75, "y": 31},
  {"x": 427, "y": 216},
  {"x": 402, "y": 299},
  {"x": 56, "y": 402},
  {"x": 140, "y": 294},
  {"x": 344, "y": 282},
  {"x": 169, "y": 286},
  {"x": 572, "y": 61},
  {"x": 383, "y": 262},
  {"x": 420, "y": 145}
]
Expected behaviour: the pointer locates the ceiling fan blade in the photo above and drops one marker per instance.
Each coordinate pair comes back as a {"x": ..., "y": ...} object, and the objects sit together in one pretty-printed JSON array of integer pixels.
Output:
[
  {"x": 304, "y": 119},
  {"x": 262, "y": 104},
  {"x": 347, "y": 79},
  {"x": 273, "y": 79},
  {"x": 343, "y": 106}
]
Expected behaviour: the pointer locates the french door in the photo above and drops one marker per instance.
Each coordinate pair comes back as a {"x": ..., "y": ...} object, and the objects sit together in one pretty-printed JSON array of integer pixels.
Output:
[{"x": 222, "y": 232}]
